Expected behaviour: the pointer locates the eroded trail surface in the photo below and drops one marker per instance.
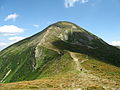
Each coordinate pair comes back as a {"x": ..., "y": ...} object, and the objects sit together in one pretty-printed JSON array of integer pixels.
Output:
[{"x": 87, "y": 79}]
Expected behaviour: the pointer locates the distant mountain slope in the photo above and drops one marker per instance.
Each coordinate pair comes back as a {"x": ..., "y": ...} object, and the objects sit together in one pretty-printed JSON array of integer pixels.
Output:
[
  {"x": 62, "y": 49},
  {"x": 118, "y": 47}
]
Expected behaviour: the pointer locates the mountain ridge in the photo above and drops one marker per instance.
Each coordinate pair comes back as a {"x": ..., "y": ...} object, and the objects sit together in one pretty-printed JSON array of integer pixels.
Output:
[{"x": 62, "y": 49}]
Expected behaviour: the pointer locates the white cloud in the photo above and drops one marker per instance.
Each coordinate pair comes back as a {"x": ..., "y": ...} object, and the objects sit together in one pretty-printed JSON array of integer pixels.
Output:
[
  {"x": 12, "y": 40},
  {"x": 16, "y": 38},
  {"x": 70, "y": 3},
  {"x": 36, "y": 25},
  {"x": 2, "y": 44},
  {"x": 116, "y": 43},
  {"x": 11, "y": 17},
  {"x": 10, "y": 30}
]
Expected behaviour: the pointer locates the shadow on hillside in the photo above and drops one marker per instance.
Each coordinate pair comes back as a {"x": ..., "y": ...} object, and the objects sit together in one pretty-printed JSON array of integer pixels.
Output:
[{"x": 105, "y": 53}]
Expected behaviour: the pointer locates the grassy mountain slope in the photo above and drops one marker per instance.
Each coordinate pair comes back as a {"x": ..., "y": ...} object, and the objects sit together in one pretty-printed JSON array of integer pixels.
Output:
[
  {"x": 118, "y": 47},
  {"x": 65, "y": 54}
]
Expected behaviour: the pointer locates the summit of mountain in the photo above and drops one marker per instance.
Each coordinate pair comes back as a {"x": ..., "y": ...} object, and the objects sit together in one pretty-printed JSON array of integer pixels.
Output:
[{"x": 63, "y": 52}]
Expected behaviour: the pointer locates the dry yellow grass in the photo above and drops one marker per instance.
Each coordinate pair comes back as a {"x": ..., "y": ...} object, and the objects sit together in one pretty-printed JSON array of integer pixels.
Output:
[{"x": 81, "y": 81}]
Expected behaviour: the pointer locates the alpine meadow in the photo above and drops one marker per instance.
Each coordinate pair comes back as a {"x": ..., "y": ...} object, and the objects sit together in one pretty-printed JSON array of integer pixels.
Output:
[
  {"x": 63, "y": 55},
  {"x": 59, "y": 44}
]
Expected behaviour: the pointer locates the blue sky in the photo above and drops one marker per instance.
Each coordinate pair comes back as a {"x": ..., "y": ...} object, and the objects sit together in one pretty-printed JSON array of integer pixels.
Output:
[{"x": 23, "y": 18}]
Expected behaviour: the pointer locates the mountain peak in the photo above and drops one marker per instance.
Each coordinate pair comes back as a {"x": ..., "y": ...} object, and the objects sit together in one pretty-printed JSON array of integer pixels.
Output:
[
  {"x": 60, "y": 49},
  {"x": 64, "y": 22}
]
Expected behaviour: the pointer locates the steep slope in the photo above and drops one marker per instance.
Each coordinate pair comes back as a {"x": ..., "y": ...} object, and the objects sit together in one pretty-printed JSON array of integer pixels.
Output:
[{"x": 62, "y": 50}]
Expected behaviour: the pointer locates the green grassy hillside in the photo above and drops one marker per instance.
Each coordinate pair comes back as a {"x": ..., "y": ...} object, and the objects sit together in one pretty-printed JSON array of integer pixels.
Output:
[
  {"x": 118, "y": 47},
  {"x": 65, "y": 53}
]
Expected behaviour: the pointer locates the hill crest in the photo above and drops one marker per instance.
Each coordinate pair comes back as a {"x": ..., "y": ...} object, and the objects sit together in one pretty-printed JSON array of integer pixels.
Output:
[{"x": 63, "y": 48}]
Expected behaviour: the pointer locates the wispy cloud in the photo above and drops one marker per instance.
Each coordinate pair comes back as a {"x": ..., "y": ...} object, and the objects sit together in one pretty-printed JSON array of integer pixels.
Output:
[
  {"x": 11, "y": 17},
  {"x": 116, "y": 43},
  {"x": 70, "y": 3},
  {"x": 36, "y": 25},
  {"x": 10, "y": 30},
  {"x": 2, "y": 44},
  {"x": 16, "y": 38},
  {"x": 10, "y": 42}
]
